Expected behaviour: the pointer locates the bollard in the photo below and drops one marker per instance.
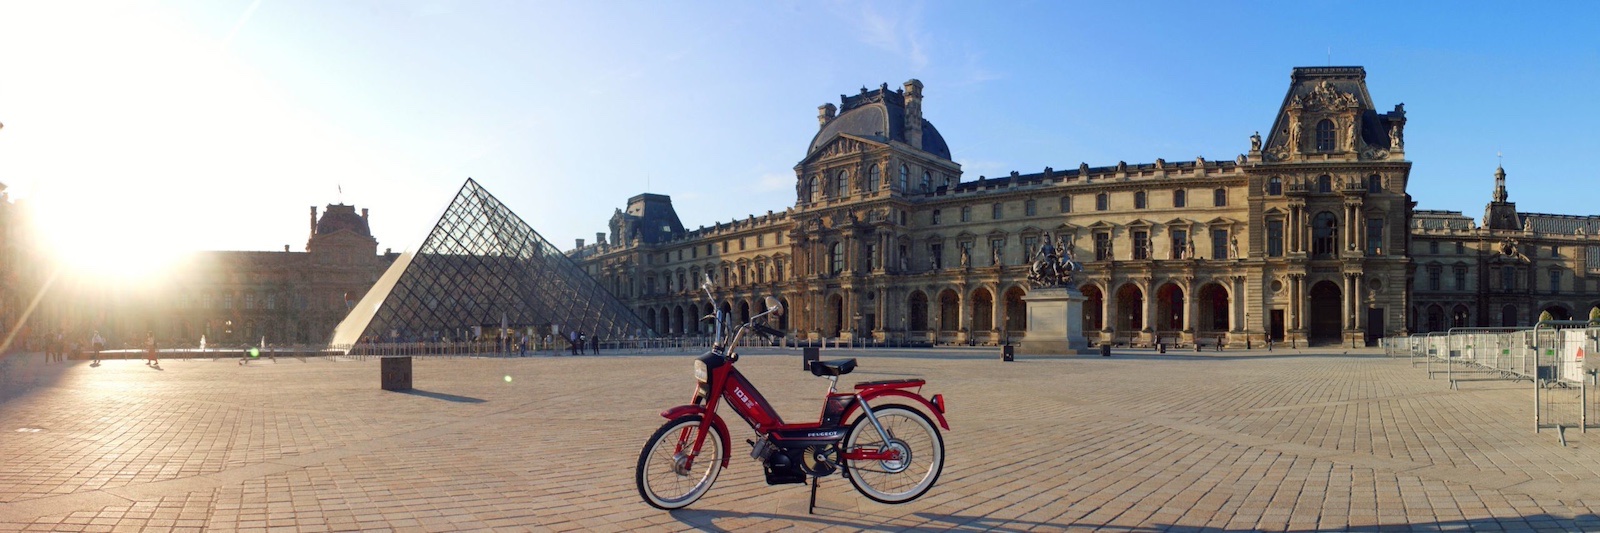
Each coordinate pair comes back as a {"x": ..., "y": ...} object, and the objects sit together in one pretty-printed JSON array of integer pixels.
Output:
[
  {"x": 807, "y": 355},
  {"x": 1006, "y": 353},
  {"x": 1161, "y": 347},
  {"x": 1105, "y": 350}
]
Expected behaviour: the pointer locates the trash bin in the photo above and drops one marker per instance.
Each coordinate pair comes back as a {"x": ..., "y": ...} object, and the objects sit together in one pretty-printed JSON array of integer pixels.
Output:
[
  {"x": 1105, "y": 350},
  {"x": 1007, "y": 353},
  {"x": 807, "y": 355}
]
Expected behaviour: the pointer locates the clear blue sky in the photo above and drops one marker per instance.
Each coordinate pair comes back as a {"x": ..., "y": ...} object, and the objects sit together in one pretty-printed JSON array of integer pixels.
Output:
[{"x": 215, "y": 124}]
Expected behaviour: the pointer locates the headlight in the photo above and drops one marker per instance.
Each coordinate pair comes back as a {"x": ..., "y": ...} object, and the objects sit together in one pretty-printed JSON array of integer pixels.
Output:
[{"x": 700, "y": 371}]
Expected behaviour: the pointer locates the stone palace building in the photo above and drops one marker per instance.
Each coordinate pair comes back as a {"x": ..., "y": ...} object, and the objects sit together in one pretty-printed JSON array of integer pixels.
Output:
[{"x": 1304, "y": 237}]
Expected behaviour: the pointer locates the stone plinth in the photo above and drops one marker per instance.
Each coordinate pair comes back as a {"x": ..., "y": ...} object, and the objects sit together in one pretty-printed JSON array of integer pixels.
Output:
[
  {"x": 396, "y": 373},
  {"x": 1055, "y": 322}
]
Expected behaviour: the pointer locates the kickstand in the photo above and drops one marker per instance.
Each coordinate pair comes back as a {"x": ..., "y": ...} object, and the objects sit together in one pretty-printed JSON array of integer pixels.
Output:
[{"x": 812, "y": 509}]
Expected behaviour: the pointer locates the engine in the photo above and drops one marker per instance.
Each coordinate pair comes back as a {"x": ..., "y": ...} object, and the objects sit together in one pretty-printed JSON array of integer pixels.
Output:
[{"x": 784, "y": 465}]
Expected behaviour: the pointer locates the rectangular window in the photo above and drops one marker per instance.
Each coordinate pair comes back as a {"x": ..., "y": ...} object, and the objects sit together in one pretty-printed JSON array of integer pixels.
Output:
[
  {"x": 1219, "y": 198},
  {"x": 872, "y": 256},
  {"x": 1101, "y": 202},
  {"x": 761, "y": 240},
  {"x": 998, "y": 211},
  {"x": 710, "y": 250},
  {"x": 1066, "y": 204},
  {"x": 1030, "y": 208},
  {"x": 249, "y": 300},
  {"x": 1030, "y": 247},
  {"x": 741, "y": 244},
  {"x": 1508, "y": 279},
  {"x": 1219, "y": 243},
  {"x": 1555, "y": 281},
  {"x": 1433, "y": 278},
  {"x": 1461, "y": 278},
  {"x": 1141, "y": 245},
  {"x": 1180, "y": 243},
  {"x": 1102, "y": 246},
  {"x": 724, "y": 246},
  {"x": 936, "y": 256},
  {"x": 936, "y": 217},
  {"x": 272, "y": 301},
  {"x": 966, "y": 213},
  {"x": 997, "y": 251},
  {"x": 777, "y": 271},
  {"x": 1433, "y": 247},
  {"x": 1274, "y": 238},
  {"x": 227, "y": 301},
  {"x": 1374, "y": 236},
  {"x": 694, "y": 253},
  {"x": 1461, "y": 248},
  {"x": 778, "y": 238},
  {"x": 1555, "y": 251}
]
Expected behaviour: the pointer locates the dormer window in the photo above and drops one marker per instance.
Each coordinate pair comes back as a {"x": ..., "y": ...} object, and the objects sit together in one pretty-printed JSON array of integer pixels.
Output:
[
  {"x": 1274, "y": 186},
  {"x": 1325, "y": 183},
  {"x": 1325, "y": 136}
]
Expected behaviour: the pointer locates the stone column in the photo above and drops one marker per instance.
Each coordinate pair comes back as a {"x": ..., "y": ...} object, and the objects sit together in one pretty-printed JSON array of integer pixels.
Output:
[
  {"x": 1236, "y": 322},
  {"x": 996, "y": 308},
  {"x": 1149, "y": 306},
  {"x": 1108, "y": 310},
  {"x": 1345, "y": 319},
  {"x": 1356, "y": 300},
  {"x": 1189, "y": 305}
]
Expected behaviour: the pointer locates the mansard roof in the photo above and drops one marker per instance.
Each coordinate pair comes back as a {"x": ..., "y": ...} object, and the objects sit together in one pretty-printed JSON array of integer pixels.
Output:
[
  {"x": 878, "y": 115},
  {"x": 1560, "y": 224},
  {"x": 1339, "y": 87}
]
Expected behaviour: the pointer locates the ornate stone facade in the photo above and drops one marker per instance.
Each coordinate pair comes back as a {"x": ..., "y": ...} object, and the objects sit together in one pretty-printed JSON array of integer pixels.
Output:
[
  {"x": 1506, "y": 271},
  {"x": 1303, "y": 237}
]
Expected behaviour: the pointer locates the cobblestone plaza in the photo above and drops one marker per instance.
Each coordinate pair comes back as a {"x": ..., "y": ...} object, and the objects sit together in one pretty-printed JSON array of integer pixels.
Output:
[{"x": 1293, "y": 440}]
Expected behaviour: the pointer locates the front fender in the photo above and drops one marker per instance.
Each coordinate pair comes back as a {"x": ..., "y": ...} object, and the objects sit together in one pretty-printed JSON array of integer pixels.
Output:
[
  {"x": 716, "y": 422},
  {"x": 937, "y": 410}
]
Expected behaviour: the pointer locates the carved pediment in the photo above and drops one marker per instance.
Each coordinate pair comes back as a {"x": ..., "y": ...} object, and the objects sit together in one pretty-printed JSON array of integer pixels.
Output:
[
  {"x": 1324, "y": 97},
  {"x": 843, "y": 145}
]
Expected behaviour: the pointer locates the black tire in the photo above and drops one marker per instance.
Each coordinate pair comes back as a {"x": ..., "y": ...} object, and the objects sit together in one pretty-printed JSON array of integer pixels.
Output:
[
  {"x": 896, "y": 481},
  {"x": 667, "y": 469}
]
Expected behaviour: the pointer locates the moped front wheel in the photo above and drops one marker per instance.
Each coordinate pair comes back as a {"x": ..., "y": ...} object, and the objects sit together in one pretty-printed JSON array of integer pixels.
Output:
[
  {"x": 920, "y": 455},
  {"x": 667, "y": 477}
]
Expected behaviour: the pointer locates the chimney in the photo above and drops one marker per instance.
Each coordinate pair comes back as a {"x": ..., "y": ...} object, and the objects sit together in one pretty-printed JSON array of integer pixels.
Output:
[
  {"x": 313, "y": 220},
  {"x": 913, "y": 126},
  {"x": 599, "y": 237},
  {"x": 825, "y": 114},
  {"x": 285, "y": 248},
  {"x": 580, "y": 244},
  {"x": 363, "y": 214}
]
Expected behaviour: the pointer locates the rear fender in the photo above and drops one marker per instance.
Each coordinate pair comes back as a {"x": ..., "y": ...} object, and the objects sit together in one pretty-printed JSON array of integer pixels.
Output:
[
  {"x": 716, "y": 422},
  {"x": 872, "y": 396}
]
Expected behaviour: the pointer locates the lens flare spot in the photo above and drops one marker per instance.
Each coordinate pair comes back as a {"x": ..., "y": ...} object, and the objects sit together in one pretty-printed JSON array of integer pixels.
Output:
[
  {"x": 255, "y": 352},
  {"x": 508, "y": 378}
]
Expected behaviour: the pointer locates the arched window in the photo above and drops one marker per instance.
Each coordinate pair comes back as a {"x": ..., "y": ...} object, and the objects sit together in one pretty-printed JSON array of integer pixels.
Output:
[
  {"x": 872, "y": 178},
  {"x": 1324, "y": 183},
  {"x": 811, "y": 189},
  {"x": 1138, "y": 200},
  {"x": 905, "y": 178},
  {"x": 1274, "y": 186},
  {"x": 1101, "y": 202},
  {"x": 1180, "y": 198},
  {"x": 1219, "y": 198},
  {"x": 841, "y": 184},
  {"x": 1323, "y": 229},
  {"x": 1325, "y": 136},
  {"x": 927, "y": 181},
  {"x": 1374, "y": 183}
]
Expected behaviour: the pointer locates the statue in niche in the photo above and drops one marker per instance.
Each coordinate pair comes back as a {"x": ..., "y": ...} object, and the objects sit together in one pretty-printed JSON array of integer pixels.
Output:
[
  {"x": 1189, "y": 250},
  {"x": 905, "y": 263},
  {"x": 1233, "y": 246},
  {"x": 1397, "y": 136},
  {"x": 1255, "y": 142},
  {"x": 1294, "y": 133},
  {"x": 966, "y": 258},
  {"x": 994, "y": 257},
  {"x": 1350, "y": 135}
]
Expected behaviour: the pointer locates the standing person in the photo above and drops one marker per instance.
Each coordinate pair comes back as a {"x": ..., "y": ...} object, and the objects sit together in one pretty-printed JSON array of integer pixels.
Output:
[
  {"x": 524, "y": 346},
  {"x": 572, "y": 341},
  {"x": 98, "y": 343},
  {"x": 583, "y": 341},
  {"x": 150, "y": 350},
  {"x": 549, "y": 344},
  {"x": 594, "y": 344}
]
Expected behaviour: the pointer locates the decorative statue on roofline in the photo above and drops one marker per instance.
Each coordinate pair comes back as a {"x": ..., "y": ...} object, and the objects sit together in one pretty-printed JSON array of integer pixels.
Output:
[{"x": 1053, "y": 268}]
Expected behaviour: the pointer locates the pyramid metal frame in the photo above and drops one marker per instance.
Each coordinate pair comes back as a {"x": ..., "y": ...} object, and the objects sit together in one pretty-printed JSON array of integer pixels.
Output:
[{"x": 482, "y": 265}]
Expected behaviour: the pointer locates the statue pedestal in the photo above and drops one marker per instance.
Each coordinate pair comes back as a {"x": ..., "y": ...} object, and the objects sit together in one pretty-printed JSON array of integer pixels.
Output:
[{"x": 1055, "y": 322}]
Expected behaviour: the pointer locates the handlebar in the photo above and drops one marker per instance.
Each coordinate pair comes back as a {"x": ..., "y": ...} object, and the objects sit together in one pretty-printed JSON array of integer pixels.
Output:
[{"x": 766, "y": 330}]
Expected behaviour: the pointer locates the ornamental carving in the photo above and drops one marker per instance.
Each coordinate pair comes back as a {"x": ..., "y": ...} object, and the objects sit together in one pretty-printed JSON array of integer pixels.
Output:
[
  {"x": 1324, "y": 97},
  {"x": 1374, "y": 154}
]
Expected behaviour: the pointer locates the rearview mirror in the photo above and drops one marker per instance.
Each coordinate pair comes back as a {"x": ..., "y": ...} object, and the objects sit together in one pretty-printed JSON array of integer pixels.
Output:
[
  {"x": 707, "y": 284},
  {"x": 775, "y": 306}
]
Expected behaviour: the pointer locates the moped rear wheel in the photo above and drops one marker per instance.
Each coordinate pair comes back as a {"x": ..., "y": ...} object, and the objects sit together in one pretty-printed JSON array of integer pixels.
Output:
[
  {"x": 667, "y": 479},
  {"x": 921, "y": 455}
]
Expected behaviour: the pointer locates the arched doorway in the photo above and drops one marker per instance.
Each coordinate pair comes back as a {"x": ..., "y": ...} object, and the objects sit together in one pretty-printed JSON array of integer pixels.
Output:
[
  {"x": 1094, "y": 303},
  {"x": 1169, "y": 308},
  {"x": 949, "y": 310},
  {"x": 1435, "y": 319},
  {"x": 917, "y": 312},
  {"x": 650, "y": 319},
  {"x": 1460, "y": 317},
  {"x": 783, "y": 320},
  {"x": 1130, "y": 308},
  {"x": 677, "y": 320},
  {"x": 1508, "y": 316},
  {"x": 1558, "y": 312},
  {"x": 982, "y": 310},
  {"x": 1016, "y": 310},
  {"x": 835, "y": 320},
  {"x": 744, "y": 311},
  {"x": 1214, "y": 309},
  {"x": 1325, "y": 323}
]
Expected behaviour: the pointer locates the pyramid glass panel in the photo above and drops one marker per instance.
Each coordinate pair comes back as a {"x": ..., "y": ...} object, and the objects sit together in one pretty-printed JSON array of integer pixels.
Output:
[{"x": 481, "y": 268}]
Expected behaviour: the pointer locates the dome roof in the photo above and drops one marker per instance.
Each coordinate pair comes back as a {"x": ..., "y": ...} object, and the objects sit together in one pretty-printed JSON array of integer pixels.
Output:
[
  {"x": 342, "y": 217},
  {"x": 878, "y": 115}
]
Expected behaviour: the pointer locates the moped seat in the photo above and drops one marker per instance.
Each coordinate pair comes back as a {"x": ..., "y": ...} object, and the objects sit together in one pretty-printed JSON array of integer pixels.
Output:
[{"x": 833, "y": 368}]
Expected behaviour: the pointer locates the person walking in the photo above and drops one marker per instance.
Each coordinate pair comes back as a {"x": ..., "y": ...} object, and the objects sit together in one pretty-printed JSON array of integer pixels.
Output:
[
  {"x": 97, "y": 343},
  {"x": 524, "y": 346},
  {"x": 594, "y": 344},
  {"x": 150, "y": 351},
  {"x": 572, "y": 341}
]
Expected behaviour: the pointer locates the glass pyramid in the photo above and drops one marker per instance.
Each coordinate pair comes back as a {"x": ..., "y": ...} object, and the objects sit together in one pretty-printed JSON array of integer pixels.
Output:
[{"x": 483, "y": 268}]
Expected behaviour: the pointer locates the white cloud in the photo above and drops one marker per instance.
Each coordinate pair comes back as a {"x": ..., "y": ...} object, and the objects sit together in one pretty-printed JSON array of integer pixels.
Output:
[{"x": 899, "y": 33}]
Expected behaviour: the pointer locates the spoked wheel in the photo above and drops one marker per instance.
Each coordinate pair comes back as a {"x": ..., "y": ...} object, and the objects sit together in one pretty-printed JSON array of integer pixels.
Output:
[
  {"x": 921, "y": 458},
  {"x": 667, "y": 478}
]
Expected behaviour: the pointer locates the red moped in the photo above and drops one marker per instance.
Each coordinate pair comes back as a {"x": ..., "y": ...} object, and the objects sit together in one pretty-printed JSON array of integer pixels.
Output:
[{"x": 878, "y": 436}]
